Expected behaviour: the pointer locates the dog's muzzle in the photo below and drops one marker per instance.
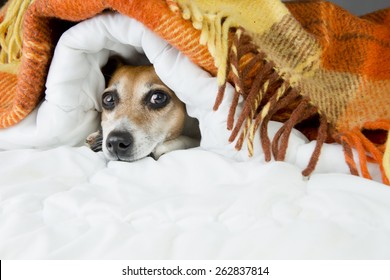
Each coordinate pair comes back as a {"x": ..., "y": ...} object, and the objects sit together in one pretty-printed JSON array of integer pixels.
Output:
[{"x": 119, "y": 144}]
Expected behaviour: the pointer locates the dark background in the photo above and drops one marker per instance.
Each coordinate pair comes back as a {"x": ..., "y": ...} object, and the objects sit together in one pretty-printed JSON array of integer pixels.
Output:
[{"x": 360, "y": 7}]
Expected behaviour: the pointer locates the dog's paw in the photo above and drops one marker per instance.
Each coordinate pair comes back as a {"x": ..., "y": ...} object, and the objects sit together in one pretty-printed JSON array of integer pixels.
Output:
[
  {"x": 159, "y": 151},
  {"x": 94, "y": 141},
  {"x": 180, "y": 143}
]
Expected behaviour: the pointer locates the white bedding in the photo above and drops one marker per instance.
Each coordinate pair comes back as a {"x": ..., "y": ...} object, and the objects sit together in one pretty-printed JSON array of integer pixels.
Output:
[{"x": 60, "y": 200}]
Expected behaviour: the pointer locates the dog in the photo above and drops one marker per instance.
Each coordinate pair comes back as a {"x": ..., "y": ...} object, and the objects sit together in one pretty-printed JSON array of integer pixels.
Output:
[{"x": 142, "y": 117}]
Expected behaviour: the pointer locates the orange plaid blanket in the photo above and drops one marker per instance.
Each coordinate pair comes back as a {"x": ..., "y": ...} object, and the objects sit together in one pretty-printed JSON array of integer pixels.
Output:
[{"x": 310, "y": 65}]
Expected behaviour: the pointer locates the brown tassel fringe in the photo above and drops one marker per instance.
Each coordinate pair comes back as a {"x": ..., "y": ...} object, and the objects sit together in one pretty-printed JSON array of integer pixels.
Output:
[
  {"x": 367, "y": 151},
  {"x": 267, "y": 94}
]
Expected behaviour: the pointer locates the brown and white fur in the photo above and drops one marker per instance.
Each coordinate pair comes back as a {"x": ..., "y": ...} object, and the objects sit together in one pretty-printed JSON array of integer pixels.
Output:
[{"x": 142, "y": 116}]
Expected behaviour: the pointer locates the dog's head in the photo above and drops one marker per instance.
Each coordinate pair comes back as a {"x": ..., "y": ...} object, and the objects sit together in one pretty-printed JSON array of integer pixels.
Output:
[{"x": 139, "y": 113}]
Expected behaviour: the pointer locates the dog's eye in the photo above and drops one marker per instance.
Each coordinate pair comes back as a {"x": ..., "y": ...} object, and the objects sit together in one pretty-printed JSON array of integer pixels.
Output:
[
  {"x": 157, "y": 99},
  {"x": 109, "y": 100}
]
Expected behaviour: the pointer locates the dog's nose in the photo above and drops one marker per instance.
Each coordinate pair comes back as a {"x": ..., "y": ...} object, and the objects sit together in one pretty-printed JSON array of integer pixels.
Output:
[{"x": 119, "y": 143}]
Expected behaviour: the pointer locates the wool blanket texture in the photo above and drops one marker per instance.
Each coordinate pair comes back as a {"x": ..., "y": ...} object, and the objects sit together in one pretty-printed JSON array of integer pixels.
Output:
[{"x": 310, "y": 65}]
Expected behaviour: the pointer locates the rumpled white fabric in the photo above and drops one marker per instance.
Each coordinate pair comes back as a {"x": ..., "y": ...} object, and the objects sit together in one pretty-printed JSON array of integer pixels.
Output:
[{"x": 59, "y": 201}]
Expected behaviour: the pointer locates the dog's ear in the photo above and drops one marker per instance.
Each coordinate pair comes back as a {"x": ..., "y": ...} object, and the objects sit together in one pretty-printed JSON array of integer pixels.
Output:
[{"x": 113, "y": 63}]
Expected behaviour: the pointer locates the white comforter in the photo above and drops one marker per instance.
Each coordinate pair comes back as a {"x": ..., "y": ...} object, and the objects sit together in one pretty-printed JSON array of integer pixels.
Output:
[{"x": 62, "y": 201}]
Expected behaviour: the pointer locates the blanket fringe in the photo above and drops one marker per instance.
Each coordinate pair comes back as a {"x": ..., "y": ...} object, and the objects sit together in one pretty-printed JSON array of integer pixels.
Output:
[
  {"x": 215, "y": 29},
  {"x": 268, "y": 94},
  {"x": 11, "y": 33},
  {"x": 367, "y": 151},
  {"x": 265, "y": 89}
]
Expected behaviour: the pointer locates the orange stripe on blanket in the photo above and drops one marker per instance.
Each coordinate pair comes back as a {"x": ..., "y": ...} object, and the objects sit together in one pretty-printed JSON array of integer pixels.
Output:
[
  {"x": 7, "y": 106},
  {"x": 7, "y": 87},
  {"x": 348, "y": 43}
]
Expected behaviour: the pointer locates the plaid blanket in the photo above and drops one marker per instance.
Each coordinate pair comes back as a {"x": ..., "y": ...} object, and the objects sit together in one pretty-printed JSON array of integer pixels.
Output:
[{"x": 310, "y": 65}]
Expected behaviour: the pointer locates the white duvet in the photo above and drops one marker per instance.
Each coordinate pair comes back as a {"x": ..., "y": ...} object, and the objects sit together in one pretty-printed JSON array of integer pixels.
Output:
[{"x": 60, "y": 200}]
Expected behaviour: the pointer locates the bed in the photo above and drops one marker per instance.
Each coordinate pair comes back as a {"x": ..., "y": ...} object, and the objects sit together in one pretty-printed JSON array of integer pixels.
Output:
[{"x": 60, "y": 200}]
